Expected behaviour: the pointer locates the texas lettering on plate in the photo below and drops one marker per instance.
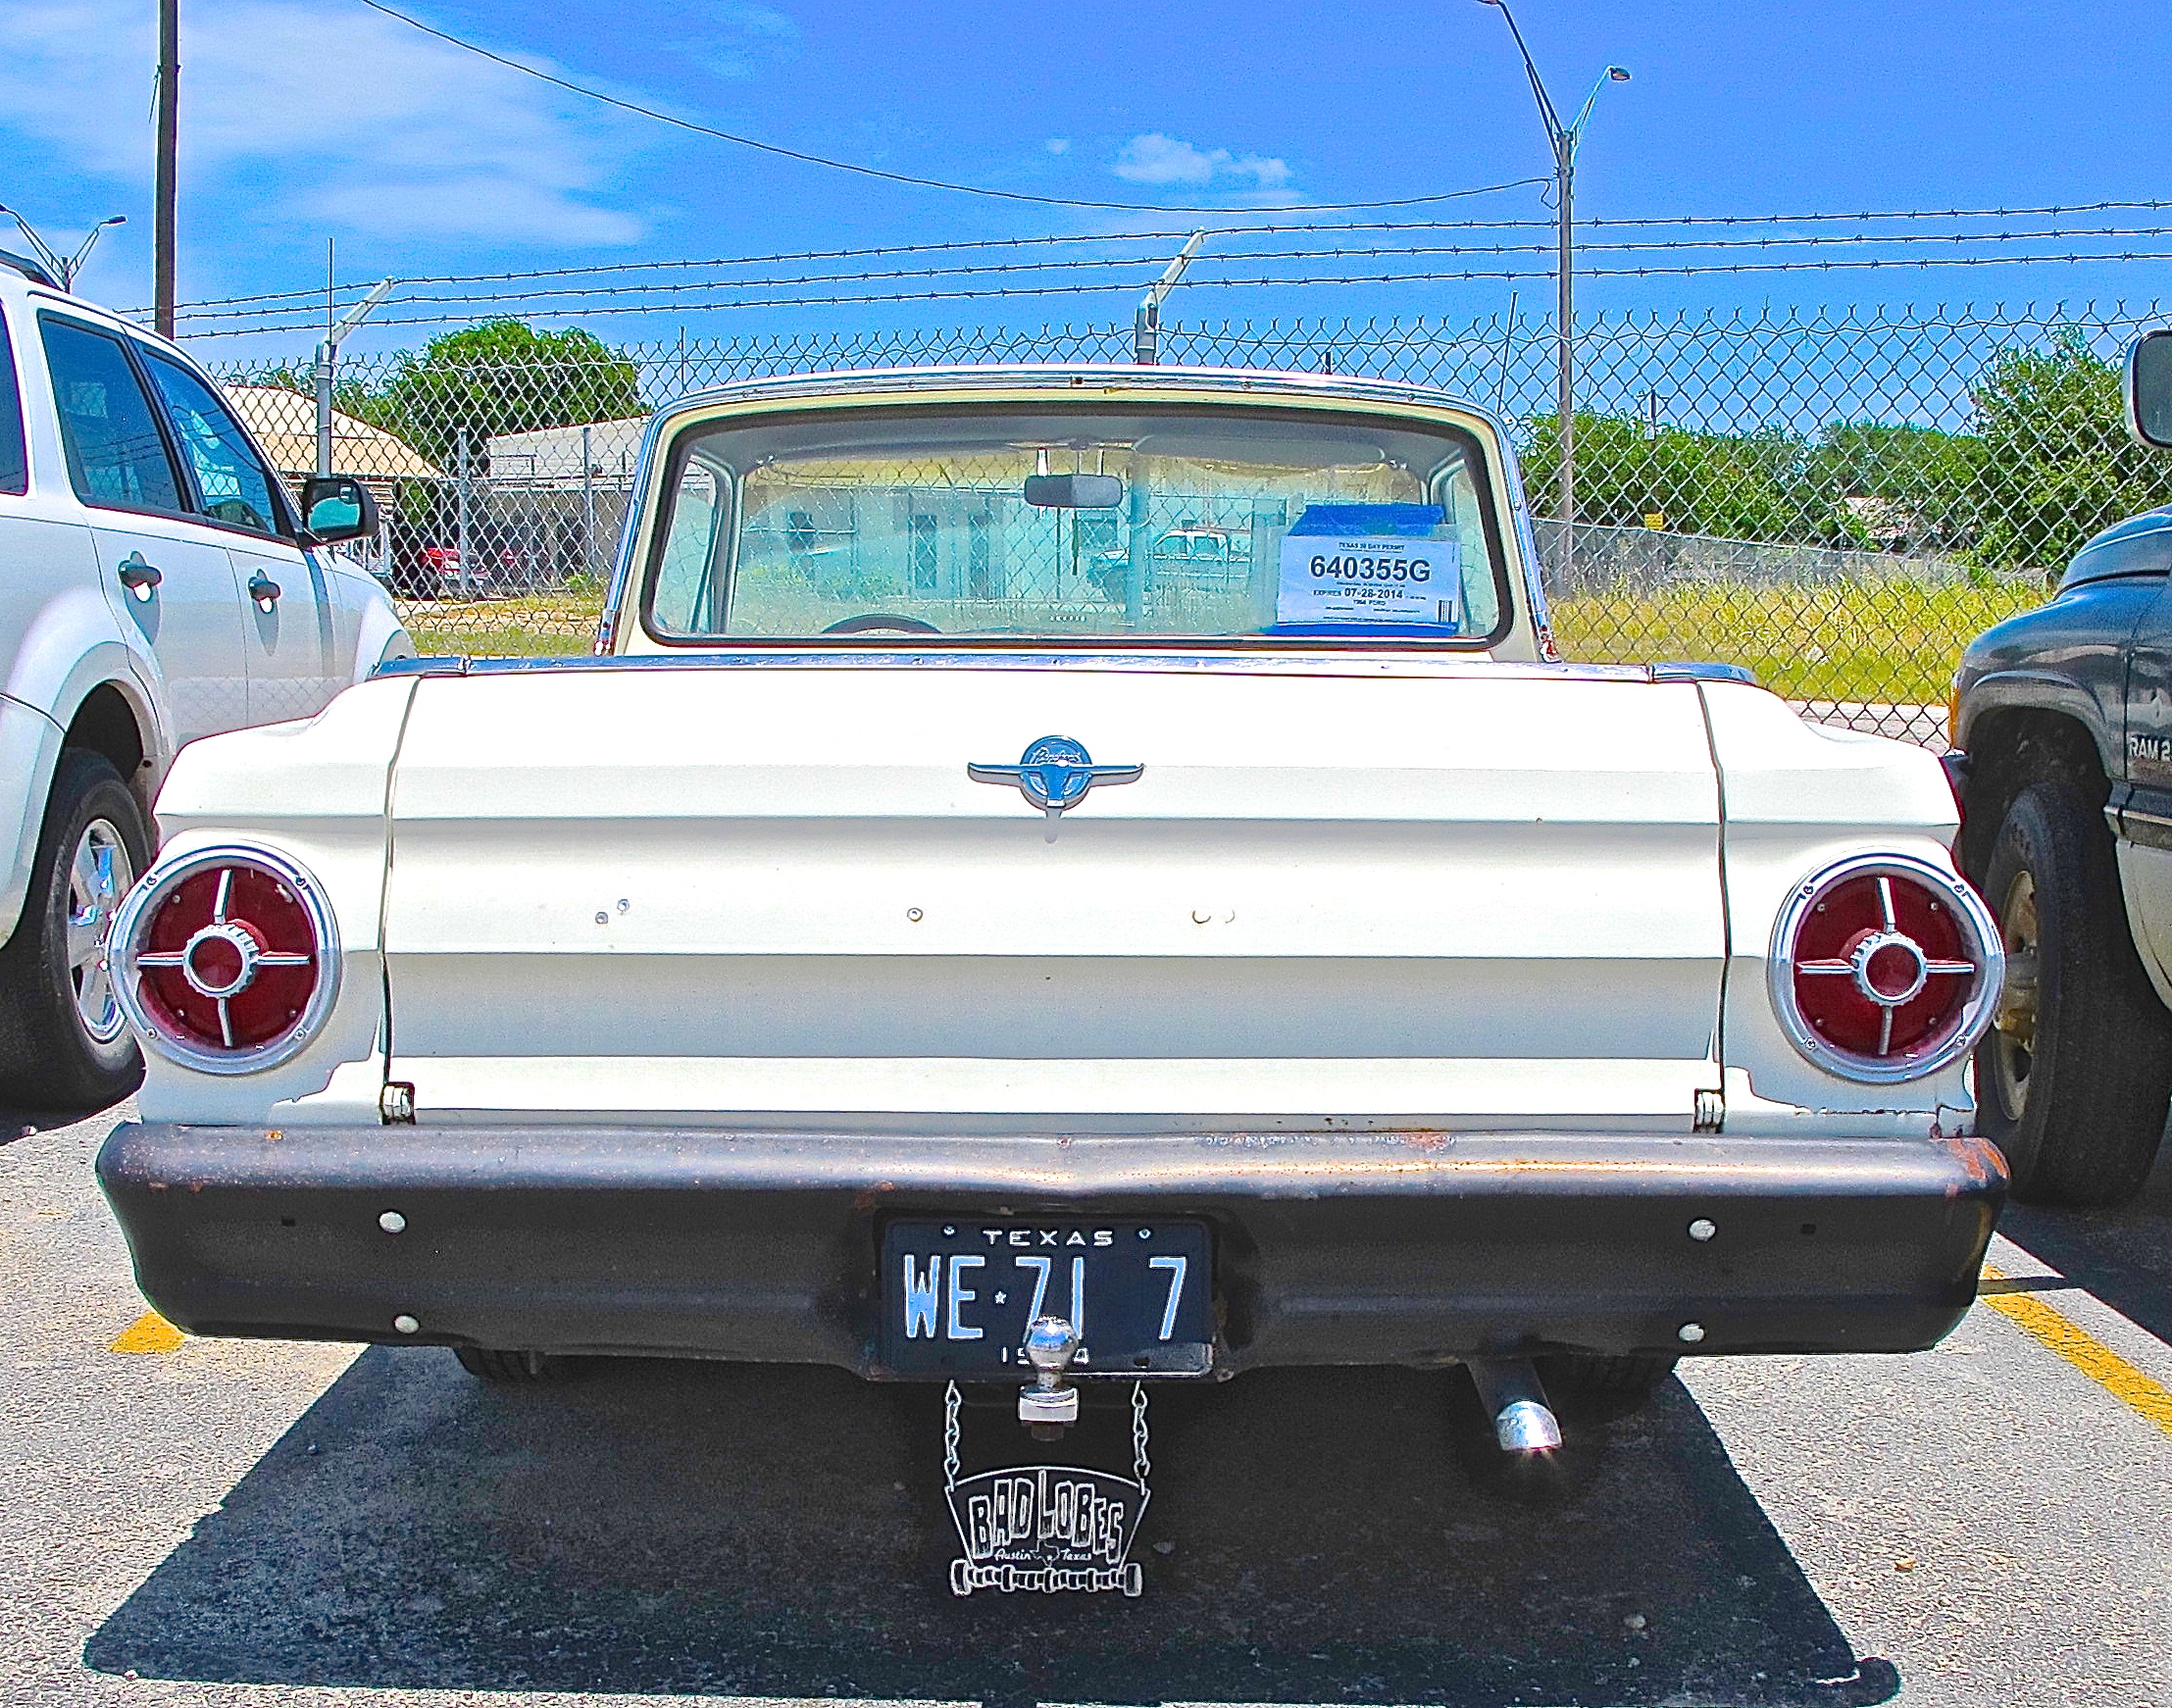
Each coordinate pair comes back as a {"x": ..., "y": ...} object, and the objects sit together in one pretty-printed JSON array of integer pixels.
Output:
[{"x": 958, "y": 1293}]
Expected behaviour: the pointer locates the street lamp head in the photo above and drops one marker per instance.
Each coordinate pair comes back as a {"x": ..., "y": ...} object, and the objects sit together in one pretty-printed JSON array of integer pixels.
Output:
[
  {"x": 1619, "y": 74},
  {"x": 115, "y": 219}
]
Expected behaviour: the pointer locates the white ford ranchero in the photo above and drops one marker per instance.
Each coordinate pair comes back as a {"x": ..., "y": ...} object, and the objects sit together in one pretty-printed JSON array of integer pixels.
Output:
[{"x": 1102, "y": 851}]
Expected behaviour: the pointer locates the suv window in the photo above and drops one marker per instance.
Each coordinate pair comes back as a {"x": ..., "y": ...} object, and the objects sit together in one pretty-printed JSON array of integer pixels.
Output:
[
  {"x": 116, "y": 453},
  {"x": 231, "y": 482},
  {"x": 15, "y": 467}
]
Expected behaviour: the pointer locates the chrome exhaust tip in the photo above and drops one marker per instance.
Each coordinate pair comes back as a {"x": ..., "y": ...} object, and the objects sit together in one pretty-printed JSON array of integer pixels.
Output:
[{"x": 1514, "y": 1398}]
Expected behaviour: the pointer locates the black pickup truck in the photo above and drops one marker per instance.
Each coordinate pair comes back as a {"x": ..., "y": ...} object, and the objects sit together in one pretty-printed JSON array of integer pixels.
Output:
[{"x": 2062, "y": 722}]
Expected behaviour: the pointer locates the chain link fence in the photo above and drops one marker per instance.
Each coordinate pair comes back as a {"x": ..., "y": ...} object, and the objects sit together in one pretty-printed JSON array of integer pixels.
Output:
[{"x": 1838, "y": 500}]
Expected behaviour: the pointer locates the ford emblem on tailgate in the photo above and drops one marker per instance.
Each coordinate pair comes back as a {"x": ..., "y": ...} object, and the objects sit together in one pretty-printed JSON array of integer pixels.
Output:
[{"x": 1054, "y": 774}]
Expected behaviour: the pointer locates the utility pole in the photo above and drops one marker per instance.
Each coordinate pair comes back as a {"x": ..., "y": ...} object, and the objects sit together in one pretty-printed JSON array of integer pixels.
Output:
[
  {"x": 328, "y": 368},
  {"x": 169, "y": 142},
  {"x": 1564, "y": 139},
  {"x": 1146, "y": 324}
]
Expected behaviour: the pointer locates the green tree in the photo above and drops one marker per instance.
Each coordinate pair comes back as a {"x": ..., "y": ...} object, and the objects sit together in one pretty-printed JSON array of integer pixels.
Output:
[
  {"x": 1742, "y": 487},
  {"x": 1906, "y": 487},
  {"x": 498, "y": 377},
  {"x": 2056, "y": 462}
]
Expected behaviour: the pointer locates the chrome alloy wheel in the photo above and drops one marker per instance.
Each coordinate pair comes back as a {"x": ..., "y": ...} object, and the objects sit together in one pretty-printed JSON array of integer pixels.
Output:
[
  {"x": 2014, "y": 1029},
  {"x": 98, "y": 876}
]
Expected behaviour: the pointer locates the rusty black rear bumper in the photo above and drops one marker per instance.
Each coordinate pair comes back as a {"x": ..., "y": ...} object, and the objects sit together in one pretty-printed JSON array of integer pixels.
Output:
[{"x": 1376, "y": 1248}]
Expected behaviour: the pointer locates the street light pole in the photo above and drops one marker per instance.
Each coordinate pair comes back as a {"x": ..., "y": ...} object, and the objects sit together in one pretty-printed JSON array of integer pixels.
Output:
[
  {"x": 1563, "y": 139},
  {"x": 1147, "y": 323},
  {"x": 328, "y": 368},
  {"x": 64, "y": 268}
]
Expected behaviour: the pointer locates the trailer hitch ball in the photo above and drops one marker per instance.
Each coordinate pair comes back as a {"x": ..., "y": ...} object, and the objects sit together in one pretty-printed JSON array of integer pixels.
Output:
[{"x": 1049, "y": 1403}]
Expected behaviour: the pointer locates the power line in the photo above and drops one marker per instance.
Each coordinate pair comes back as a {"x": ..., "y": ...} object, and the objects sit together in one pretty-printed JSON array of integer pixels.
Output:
[
  {"x": 1424, "y": 276},
  {"x": 927, "y": 183}
]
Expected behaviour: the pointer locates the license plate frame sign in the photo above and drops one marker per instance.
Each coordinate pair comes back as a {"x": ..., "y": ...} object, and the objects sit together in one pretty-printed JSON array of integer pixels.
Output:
[{"x": 957, "y": 1293}]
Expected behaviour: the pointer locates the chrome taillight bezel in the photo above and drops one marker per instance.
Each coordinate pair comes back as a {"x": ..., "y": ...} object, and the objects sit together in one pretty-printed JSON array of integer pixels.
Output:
[
  {"x": 131, "y": 925},
  {"x": 1972, "y": 1018}
]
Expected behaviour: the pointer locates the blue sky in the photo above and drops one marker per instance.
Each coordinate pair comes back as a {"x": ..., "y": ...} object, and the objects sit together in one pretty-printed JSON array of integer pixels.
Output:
[{"x": 312, "y": 118}]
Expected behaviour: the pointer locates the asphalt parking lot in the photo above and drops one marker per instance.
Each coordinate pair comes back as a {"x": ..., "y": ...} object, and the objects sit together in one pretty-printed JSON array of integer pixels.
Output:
[{"x": 265, "y": 1523}]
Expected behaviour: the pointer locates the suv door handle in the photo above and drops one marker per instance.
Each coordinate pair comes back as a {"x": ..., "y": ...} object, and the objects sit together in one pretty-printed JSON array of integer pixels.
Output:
[
  {"x": 138, "y": 576},
  {"x": 264, "y": 590}
]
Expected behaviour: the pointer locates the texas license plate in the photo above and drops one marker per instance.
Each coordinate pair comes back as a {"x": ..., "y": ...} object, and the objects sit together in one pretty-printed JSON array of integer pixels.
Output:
[{"x": 958, "y": 1293}]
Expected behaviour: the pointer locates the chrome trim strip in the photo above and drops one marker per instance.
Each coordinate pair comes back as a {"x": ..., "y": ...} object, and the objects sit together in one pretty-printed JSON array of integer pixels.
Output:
[
  {"x": 2144, "y": 830},
  {"x": 1985, "y": 949},
  {"x": 1144, "y": 661},
  {"x": 132, "y": 923}
]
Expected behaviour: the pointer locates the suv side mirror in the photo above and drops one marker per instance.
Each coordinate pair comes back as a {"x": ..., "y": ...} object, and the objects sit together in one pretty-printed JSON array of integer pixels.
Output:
[
  {"x": 2149, "y": 389},
  {"x": 337, "y": 507}
]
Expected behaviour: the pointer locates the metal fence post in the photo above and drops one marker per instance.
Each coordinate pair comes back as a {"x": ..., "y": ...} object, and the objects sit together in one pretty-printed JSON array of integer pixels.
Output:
[
  {"x": 587, "y": 507},
  {"x": 460, "y": 511}
]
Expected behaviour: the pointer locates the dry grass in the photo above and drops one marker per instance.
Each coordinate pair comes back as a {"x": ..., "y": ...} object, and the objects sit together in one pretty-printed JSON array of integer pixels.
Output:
[
  {"x": 536, "y": 626},
  {"x": 1882, "y": 640}
]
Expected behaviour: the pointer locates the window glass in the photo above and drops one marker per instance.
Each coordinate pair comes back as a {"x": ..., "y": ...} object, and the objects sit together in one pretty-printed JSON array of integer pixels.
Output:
[
  {"x": 15, "y": 467},
  {"x": 232, "y": 483},
  {"x": 116, "y": 454},
  {"x": 1193, "y": 521}
]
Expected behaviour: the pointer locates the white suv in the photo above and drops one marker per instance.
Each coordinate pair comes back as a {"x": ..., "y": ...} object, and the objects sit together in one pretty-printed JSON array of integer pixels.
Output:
[{"x": 156, "y": 584}]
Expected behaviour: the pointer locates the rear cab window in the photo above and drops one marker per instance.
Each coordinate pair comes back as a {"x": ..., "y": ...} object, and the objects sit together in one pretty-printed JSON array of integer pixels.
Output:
[{"x": 1156, "y": 523}]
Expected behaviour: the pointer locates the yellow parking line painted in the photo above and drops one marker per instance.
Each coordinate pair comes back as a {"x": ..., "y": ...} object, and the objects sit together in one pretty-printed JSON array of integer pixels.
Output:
[
  {"x": 149, "y": 1333},
  {"x": 2095, "y": 1360}
]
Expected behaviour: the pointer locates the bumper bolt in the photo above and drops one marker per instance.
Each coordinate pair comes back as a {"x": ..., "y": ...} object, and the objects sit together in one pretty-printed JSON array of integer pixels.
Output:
[
  {"x": 405, "y": 1323},
  {"x": 393, "y": 1222},
  {"x": 1691, "y": 1332},
  {"x": 1703, "y": 1229}
]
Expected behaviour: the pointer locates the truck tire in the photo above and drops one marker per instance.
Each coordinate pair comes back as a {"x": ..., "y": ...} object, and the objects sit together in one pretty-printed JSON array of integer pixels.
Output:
[
  {"x": 494, "y": 1365},
  {"x": 2073, "y": 1078},
  {"x": 63, "y": 1042}
]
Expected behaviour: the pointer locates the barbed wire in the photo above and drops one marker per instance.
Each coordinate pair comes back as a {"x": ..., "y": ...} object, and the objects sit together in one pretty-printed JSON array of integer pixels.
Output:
[
  {"x": 1006, "y": 267},
  {"x": 314, "y": 295},
  {"x": 539, "y": 297},
  {"x": 1431, "y": 276}
]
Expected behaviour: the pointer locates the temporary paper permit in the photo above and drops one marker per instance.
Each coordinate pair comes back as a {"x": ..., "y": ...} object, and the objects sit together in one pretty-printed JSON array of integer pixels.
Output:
[{"x": 1361, "y": 579}]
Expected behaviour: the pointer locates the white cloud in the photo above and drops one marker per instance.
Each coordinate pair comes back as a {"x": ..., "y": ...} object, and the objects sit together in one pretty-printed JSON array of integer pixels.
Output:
[
  {"x": 751, "y": 19},
  {"x": 328, "y": 112},
  {"x": 1158, "y": 159},
  {"x": 755, "y": 36},
  {"x": 1059, "y": 145}
]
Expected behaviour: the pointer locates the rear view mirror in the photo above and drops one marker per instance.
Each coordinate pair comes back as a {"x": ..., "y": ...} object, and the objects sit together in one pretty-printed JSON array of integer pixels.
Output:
[
  {"x": 2150, "y": 389},
  {"x": 1074, "y": 491},
  {"x": 337, "y": 507}
]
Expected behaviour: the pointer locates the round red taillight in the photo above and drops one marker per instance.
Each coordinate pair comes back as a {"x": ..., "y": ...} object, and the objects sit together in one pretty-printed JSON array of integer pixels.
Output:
[
  {"x": 1884, "y": 968},
  {"x": 226, "y": 959}
]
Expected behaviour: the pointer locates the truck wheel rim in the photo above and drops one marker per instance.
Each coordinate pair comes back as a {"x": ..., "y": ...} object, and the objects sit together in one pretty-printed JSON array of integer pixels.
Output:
[
  {"x": 2014, "y": 1030},
  {"x": 98, "y": 876}
]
